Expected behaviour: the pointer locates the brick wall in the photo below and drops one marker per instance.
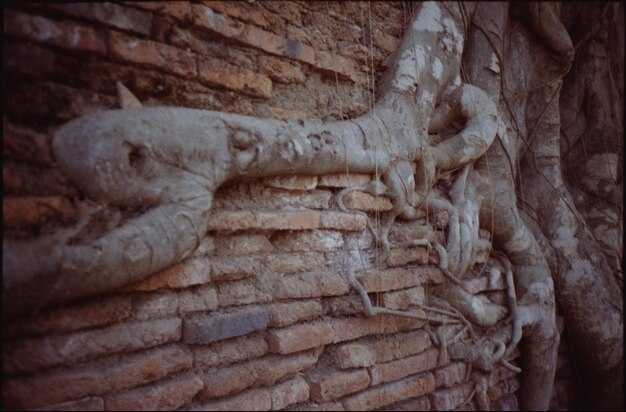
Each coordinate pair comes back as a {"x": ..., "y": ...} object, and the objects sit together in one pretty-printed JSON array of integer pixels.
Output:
[{"x": 261, "y": 316}]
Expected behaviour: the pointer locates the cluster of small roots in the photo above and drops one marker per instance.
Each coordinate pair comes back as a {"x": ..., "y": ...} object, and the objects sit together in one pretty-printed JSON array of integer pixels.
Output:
[{"x": 481, "y": 329}]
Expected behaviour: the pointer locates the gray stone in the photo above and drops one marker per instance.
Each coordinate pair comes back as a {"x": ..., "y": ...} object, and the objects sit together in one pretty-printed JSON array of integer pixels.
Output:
[{"x": 211, "y": 328}]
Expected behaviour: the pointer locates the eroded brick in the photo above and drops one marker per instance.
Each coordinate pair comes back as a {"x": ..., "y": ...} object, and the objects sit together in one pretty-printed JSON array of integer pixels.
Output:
[
  {"x": 310, "y": 240},
  {"x": 450, "y": 375},
  {"x": 233, "y": 268},
  {"x": 218, "y": 73},
  {"x": 402, "y": 299},
  {"x": 96, "y": 378},
  {"x": 398, "y": 369},
  {"x": 242, "y": 244},
  {"x": 330, "y": 385},
  {"x": 294, "y": 262},
  {"x": 281, "y": 71},
  {"x": 252, "y": 400},
  {"x": 382, "y": 280},
  {"x": 229, "y": 351},
  {"x": 244, "y": 220},
  {"x": 343, "y": 221},
  {"x": 194, "y": 271},
  {"x": 296, "y": 182},
  {"x": 31, "y": 354},
  {"x": 287, "y": 393},
  {"x": 366, "y": 202},
  {"x": 164, "y": 395},
  {"x": 284, "y": 314}
]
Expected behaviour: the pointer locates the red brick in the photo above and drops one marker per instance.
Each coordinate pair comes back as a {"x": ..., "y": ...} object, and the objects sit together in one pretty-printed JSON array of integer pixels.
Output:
[
  {"x": 419, "y": 404},
  {"x": 398, "y": 369},
  {"x": 402, "y": 232},
  {"x": 344, "y": 180},
  {"x": 314, "y": 334},
  {"x": 402, "y": 256},
  {"x": 27, "y": 355},
  {"x": 284, "y": 314},
  {"x": 162, "y": 56},
  {"x": 289, "y": 392},
  {"x": 237, "y": 293},
  {"x": 309, "y": 240},
  {"x": 240, "y": 11},
  {"x": 330, "y": 385},
  {"x": 210, "y": 328},
  {"x": 194, "y": 271},
  {"x": 369, "y": 352},
  {"x": 366, "y": 202},
  {"x": 86, "y": 404},
  {"x": 393, "y": 392},
  {"x": 333, "y": 63},
  {"x": 294, "y": 262},
  {"x": 208, "y": 20},
  {"x": 72, "y": 317},
  {"x": 309, "y": 285},
  {"x": 164, "y": 395},
  {"x": 403, "y": 299},
  {"x": 280, "y": 70},
  {"x": 343, "y": 221},
  {"x": 286, "y": 114},
  {"x": 62, "y": 34},
  {"x": 252, "y": 400},
  {"x": 450, "y": 375},
  {"x": 328, "y": 406},
  {"x": 242, "y": 244},
  {"x": 206, "y": 247},
  {"x": 258, "y": 372},
  {"x": 233, "y": 268},
  {"x": 218, "y": 73},
  {"x": 229, "y": 351},
  {"x": 392, "y": 279},
  {"x": 115, "y": 15},
  {"x": 343, "y": 305},
  {"x": 96, "y": 378},
  {"x": 33, "y": 211},
  {"x": 180, "y": 10},
  {"x": 244, "y": 220},
  {"x": 448, "y": 399},
  {"x": 296, "y": 182},
  {"x": 159, "y": 305}
]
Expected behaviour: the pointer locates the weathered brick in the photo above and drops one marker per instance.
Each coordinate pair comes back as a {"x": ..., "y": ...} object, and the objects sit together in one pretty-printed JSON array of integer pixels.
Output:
[
  {"x": 240, "y": 11},
  {"x": 218, "y": 73},
  {"x": 448, "y": 399},
  {"x": 211, "y": 328},
  {"x": 343, "y": 221},
  {"x": 330, "y": 385},
  {"x": 366, "y": 202},
  {"x": 180, "y": 10},
  {"x": 314, "y": 334},
  {"x": 333, "y": 63},
  {"x": 398, "y": 369},
  {"x": 296, "y": 182},
  {"x": 369, "y": 352},
  {"x": 62, "y": 34},
  {"x": 228, "y": 351},
  {"x": 402, "y": 256},
  {"x": 328, "y": 406},
  {"x": 164, "y": 395},
  {"x": 344, "y": 180},
  {"x": 280, "y": 70},
  {"x": 194, "y": 271},
  {"x": 115, "y": 15},
  {"x": 294, "y": 262},
  {"x": 97, "y": 378},
  {"x": 309, "y": 240},
  {"x": 258, "y": 372},
  {"x": 418, "y": 404},
  {"x": 217, "y": 23},
  {"x": 252, "y": 400},
  {"x": 287, "y": 393},
  {"x": 242, "y": 244},
  {"x": 286, "y": 114},
  {"x": 159, "y": 55},
  {"x": 309, "y": 285},
  {"x": 162, "y": 304},
  {"x": 233, "y": 268},
  {"x": 27, "y": 355},
  {"x": 400, "y": 278},
  {"x": 284, "y": 314},
  {"x": 244, "y": 220},
  {"x": 94, "y": 403},
  {"x": 481, "y": 284},
  {"x": 237, "y": 293},
  {"x": 402, "y": 299},
  {"x": 98, "y": 312},
  {"x": 403, "y": 231},
  {"x": 392, "y": 392},
  {"x": 450, "y": 375},
  {"x": 34, "y": 211},
  {"x": 343, "y": 305}
]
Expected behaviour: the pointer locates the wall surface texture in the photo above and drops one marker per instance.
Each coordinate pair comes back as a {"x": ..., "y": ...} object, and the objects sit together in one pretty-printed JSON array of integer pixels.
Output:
[{"x": 261, "y": 316}]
